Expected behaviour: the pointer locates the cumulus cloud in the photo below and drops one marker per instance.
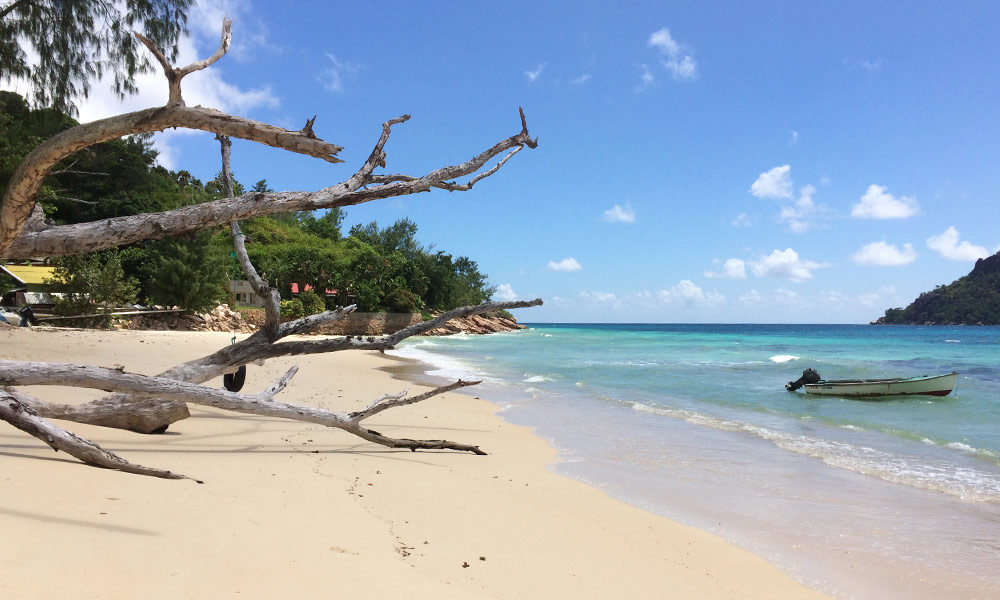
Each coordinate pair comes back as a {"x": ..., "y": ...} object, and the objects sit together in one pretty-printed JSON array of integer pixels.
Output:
[
  {"x": 619, "y": 214},
  {"x": 884, "y": 255},
  {"x": 785, "y": 264},
  {"x": 504, "y": 293},
  {"x": 879, "y": 204},
  {"x": 689, "y": 294},
  {"x": 733, "y": 268},
  {"x": 536, "y": 73},
  {"x": 948, "y": 245},
  {"x": 566, "y": 264},
  {"x": 680, "y": 64},
  {"x": 801, "y": 215},
  {"x": 775, "y": 183}
]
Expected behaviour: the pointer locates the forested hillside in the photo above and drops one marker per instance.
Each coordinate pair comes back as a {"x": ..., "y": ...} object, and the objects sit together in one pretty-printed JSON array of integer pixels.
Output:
[
  {"x": 379, "y": 268},
  {"x": 970, "y": 300}
]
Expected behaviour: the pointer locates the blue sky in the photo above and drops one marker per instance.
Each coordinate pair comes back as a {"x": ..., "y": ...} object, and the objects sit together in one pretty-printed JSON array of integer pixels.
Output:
[{"x": 698, "y": 162}]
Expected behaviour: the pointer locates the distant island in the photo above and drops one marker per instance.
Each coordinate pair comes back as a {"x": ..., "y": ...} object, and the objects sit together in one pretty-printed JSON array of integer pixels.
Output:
[{"x": 970, "y": 300}]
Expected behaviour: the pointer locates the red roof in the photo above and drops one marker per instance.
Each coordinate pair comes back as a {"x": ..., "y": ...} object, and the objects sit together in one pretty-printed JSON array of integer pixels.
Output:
[{"x": 295, "y": 289}]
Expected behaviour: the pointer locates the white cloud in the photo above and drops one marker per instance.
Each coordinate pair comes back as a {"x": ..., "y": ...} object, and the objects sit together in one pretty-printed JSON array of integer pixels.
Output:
[
  {"x": 794, "y": 139},
  {"x": 645, "y": 78},
  {"x": 250, "y": 34},
  {"x": 775, "y": 183},
  {"x": 948, "y": 245},
  {"x": 871, "y": 65},
  {"x": 785, "y": 264},
  {"x": 618, "y": 214},
  {"x": 533, "y": 75},
  {"x": 582, "y": 79},
  {"x": 801, "y": 215},
  {"x": 205, "y": 88},
  {"x": 333, "y": 76},
  {"x": 680, "y": 64},
  {"x": 607, "y": 298},
  {"x": 884, "y": 255},
  {"x": 885, "y": 296},
  {"x": 689, "y": 294},
  {"x": 733, "y": 268},
  {"x": 504, "y": 293},
  {"x": 741, "y": 220},
  {"x": 566, "y": 264},
  {"x": 878, "y": 204}
]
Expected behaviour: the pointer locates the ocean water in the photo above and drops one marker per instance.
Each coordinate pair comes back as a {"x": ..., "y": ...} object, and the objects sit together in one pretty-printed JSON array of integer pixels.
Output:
[{"x": 894, "y": 498}]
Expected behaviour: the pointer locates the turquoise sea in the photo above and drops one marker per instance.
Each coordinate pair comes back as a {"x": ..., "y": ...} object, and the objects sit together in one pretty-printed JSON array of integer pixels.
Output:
[{"x": 864, "y": 499}]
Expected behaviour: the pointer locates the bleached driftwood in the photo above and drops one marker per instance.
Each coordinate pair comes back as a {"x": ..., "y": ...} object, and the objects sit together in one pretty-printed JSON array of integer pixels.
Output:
[
  {"x": 37, "y": 373},
  {"x": 150, "y": 403},
  {"x": 24, "y": 418}
]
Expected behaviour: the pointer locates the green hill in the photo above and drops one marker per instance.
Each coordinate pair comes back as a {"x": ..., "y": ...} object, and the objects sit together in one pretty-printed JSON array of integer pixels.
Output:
[{"x": 970, "y": 300}]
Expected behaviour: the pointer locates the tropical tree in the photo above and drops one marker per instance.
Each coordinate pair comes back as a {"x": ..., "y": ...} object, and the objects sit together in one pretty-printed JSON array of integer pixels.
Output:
[
  {"x": 74, "y": 42},
  {"x": 92, "y": 284},
  {"x": 187, "y": 271}
]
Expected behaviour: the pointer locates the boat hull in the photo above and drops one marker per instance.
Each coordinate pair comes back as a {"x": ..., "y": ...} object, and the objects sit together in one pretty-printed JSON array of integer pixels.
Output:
[{"x": 937, "y": 385}]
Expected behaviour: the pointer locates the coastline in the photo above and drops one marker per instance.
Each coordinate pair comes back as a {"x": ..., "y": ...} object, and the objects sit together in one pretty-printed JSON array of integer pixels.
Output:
[{"x": 293, "y": 509}]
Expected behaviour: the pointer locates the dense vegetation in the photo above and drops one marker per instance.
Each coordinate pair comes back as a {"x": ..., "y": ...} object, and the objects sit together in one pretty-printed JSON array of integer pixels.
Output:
[
  {"x": 379, "y": 268},
  {"x": 970, "y": 300}
]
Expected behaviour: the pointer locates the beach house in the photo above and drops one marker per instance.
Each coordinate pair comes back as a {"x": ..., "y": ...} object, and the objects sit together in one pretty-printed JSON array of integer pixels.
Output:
[{"x": 25, "y": 285}]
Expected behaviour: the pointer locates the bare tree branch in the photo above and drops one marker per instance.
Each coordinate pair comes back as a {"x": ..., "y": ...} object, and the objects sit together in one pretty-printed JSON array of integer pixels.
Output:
[
  {"x": 27, "y": 420},
  {"x": 36, "y": 373},
  {"x": 27, "y": 179},
  {"x": 107, "y": 233},
  {"x": 174, "y": 75},
  {"x": 387, "y": 401}
]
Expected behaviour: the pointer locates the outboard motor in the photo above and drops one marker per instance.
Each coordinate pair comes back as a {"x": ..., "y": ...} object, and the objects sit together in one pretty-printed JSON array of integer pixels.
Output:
[
  {"x": 808, "y": 376},
  {"x": 27, "y": 316}
]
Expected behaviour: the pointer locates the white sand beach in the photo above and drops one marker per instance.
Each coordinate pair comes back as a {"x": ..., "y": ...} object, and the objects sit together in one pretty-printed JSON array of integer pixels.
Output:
[{"x": 293, "y": 510}]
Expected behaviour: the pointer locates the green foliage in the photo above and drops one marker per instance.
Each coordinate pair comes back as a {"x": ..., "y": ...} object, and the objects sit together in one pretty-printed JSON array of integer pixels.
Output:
[
  {"x": 377, "y": 268},
  {"x": 326, "y": 226},
  {"x": 400, "y": 236},
  {"x": 367, "y": 296},
  {"x": 970, "y": 300},
  {"x": 110, "y": 179},
  {"x": 216, "y": 188},
  {"x": 402, "y": 300},
  {"x": 92, "y": 284},
  {"x": 60, "y": 46},
  {"x": 312, "y": 302},
  {"x": 188, "y": 272},
  {"x": 292, "y": 309}
]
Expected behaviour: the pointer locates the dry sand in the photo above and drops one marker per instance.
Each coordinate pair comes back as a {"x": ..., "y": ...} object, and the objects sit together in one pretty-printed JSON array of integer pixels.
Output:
[{"x": 292, "y": 510}]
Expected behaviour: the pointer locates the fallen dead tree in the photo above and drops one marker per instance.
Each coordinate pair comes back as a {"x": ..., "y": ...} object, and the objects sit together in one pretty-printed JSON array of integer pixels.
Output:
[{"x": 149, "y": 404}]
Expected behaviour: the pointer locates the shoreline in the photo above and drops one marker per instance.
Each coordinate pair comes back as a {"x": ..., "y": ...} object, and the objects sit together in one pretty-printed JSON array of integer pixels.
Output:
[{"x": 294, "y": 509}]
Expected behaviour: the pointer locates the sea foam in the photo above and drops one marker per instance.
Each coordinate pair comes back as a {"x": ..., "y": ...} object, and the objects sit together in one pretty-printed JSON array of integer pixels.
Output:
[{"x": 783, "y": 358}]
